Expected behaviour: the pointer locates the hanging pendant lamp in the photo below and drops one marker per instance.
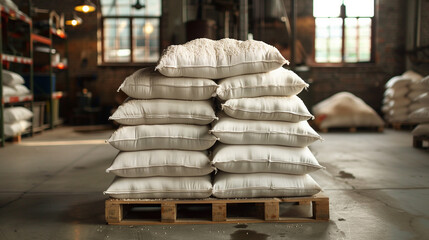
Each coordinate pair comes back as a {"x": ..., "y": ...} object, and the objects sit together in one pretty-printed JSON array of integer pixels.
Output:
[
  {"x": 85, "y": 6},
  {"x": 74, "y": 20}
]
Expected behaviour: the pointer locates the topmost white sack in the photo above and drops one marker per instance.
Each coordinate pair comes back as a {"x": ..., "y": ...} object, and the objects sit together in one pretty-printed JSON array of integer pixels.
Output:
[
  {"x": 398, "y": 82},
  {"x": 219, "y": 59},
  {"x": 415, "y": 77},
  {"x": 12, "y": 79}
]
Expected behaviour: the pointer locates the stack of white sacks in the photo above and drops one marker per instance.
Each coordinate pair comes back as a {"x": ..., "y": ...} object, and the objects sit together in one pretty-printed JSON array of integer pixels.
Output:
[
  {"x": 13, "y": 84},
  {"x": 263, "y": 129},
  {"x": 164, "y": 138},
  {"x": 16, "y": 119},
  {"x": 399, "y": 97},
  {"x": 263, "y": 134},
  {"x": 420, "y": 107}
]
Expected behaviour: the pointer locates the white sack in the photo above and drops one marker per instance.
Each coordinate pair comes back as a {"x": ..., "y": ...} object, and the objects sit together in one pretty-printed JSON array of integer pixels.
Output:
[
  {"x": 219, "y": 59},
  {"x": 235, "y": 131},
  {"x": 251, "y": 185},
  {"x": 14, "y": 114},
  {"x": 289, "y": 109},
  {"x": 279, "y": 82},
  {"x": 160, "y": 187},
  {"x": 264, "y": 159},
  {"x": 16, "y": 128},
  {"x": 11, "y": 78},
  {"x": 148, "y": 84},
  {"x": 421, "y": 130},
  {"x": 170, "y": 163},
  {"x": 169, "y": 136},
  {"x": 164, "y": 111}
]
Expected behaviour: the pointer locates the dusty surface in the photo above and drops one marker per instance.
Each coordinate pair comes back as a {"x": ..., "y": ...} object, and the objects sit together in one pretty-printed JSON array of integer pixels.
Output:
[{"x": 377, "y": 184}]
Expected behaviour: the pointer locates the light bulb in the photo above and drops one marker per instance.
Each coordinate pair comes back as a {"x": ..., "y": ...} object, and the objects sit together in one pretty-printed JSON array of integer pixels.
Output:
[
  {"x": 148, "y": 28},
  {"x": 85, "y": 8}
]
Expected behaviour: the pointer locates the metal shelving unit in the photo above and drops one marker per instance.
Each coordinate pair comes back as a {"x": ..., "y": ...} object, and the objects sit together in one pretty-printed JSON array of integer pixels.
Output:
[
  {"x": 50, "y": 34},
  {"x": 9, "y": 59}
]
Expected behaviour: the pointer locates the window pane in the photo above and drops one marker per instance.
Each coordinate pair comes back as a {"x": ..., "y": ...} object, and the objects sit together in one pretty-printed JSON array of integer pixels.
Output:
[
  {"x": 328, "y": 39},
  {"x": 146, "y": 40},
  {"x": 326, "y": 8},
  {"x": 107, "y": 7},
  {"x": 358, "y": 39},
  {"x": 117, "y": 40},
  {"x": 359, "y": 8}
]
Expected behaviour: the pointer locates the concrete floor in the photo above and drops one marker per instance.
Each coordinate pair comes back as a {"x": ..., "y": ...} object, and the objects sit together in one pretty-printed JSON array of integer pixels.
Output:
[{"x": 377, "y": 183}]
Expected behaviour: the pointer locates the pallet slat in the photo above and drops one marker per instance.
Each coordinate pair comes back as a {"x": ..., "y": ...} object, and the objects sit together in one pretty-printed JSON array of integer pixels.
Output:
[
  {"x": 117, "y": 209},
  {"x": 352, "y": 129}
]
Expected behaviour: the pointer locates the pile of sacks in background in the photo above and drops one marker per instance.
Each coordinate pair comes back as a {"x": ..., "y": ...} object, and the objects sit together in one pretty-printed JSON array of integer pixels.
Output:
[
  {"x": 402, "y": 97},
  {"x": 262, "y": 128},
  {"x": 345, "y": 110},
  {"x": 16, "y": 119},
  {"x": 420, "y": 115}
]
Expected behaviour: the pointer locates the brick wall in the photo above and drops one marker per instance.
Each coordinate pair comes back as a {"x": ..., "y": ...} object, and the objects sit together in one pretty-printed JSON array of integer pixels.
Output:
[{"x": 366, "y": 81}]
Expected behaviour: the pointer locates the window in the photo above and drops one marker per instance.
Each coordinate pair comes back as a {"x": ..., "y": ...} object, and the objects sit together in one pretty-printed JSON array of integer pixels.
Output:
[
  {"x": 343, "y": 30},
  {"x": 130, "y": 34}
]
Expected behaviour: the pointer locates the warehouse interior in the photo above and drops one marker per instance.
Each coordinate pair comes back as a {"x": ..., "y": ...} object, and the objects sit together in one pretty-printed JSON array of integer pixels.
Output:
[{"x": 362, "y": 60}]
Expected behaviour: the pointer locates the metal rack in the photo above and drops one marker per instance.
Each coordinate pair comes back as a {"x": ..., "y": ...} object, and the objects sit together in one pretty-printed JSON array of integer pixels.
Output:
[
  {"x": 55, "y": 32},
  {"x": 8, "y": 59}
]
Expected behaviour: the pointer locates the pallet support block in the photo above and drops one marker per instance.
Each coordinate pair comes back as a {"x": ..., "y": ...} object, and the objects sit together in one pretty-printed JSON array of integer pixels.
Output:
[
  {"x": 114, "y": 212},
  {"x": 219, "y": 212},
  {"x": 271, "y": 211},
  {"x": 168, "y": 212},
  {"x": 321, "y": 210}
]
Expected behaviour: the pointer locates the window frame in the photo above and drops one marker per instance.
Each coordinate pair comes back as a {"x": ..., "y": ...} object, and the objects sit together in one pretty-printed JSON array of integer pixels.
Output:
[
  {"x": 130, "y": 18},
  {"x": 343, "y": 62}
]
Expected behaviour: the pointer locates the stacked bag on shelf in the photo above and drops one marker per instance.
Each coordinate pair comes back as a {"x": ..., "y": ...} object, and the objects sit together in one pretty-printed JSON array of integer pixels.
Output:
[
  {"x": 13, "y": 84},
  {"x": 164, "y": 137},
  {"x": 419, "y": 113},
  {"x": 16, "y": 120},
  {"x": 262, "y": 129}
]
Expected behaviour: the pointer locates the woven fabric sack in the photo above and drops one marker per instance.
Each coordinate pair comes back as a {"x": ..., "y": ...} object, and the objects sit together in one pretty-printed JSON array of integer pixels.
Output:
[
  {"x": 14, "y": 114},
  {"x": 264, "y": 159},
  {"x": 160, "y": 187},
  {"x": 164, "y": 111},
  {"x": 148, "y": 84},
  {"x": 279, "y": 82},
  {"x": 235, "y": 185},
  {"x": 217, "y": 59},
  {"x": 235, "y": 131},
  {"x": 152, "y": 163},
  {"x": 168, "y": 136}
]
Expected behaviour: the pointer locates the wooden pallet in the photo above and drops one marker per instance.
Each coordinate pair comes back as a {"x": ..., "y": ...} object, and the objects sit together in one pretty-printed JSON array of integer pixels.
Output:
[
  {"x": 352, "y": 129},
  {"x": 213, "y": 210},
  {"x": 401, "y": 126},
  {"x": 418, "y": 141}
]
